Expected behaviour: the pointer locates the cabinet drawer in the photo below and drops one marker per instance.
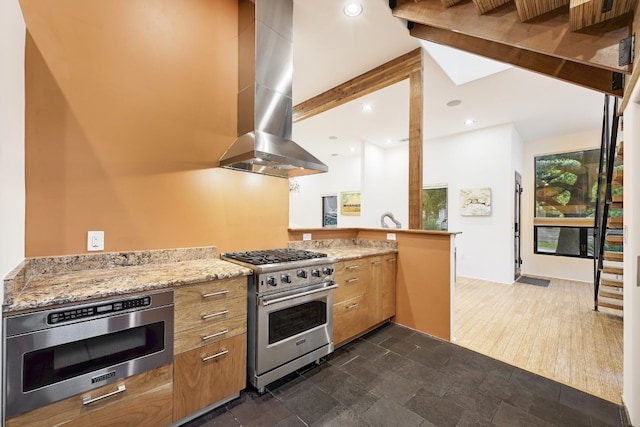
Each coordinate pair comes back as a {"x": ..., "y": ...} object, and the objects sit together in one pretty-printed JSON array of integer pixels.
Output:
[
  {"x": 146, "y": 401},
  {"x": 208, "y": 374},
  {"x": 208, "y": 313},
  {"x": 350, "y": 318},
  {"x": 348, "y": 268},
  {"x": 353, "y": 279},
  {"x": 207, "y": 334},
  {"x": 217, "y": 290}
]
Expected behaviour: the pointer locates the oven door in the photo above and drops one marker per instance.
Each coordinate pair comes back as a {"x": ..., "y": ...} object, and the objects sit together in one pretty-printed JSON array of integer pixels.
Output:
[
  {"x": 48, "y": 365},
  {"x": 292, "y": 324}
]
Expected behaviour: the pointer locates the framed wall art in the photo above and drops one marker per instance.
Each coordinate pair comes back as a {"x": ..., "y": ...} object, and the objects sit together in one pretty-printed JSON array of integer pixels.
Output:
[
  {"x": 350, "y": 203},
  {"x": 475, "y": 201}
]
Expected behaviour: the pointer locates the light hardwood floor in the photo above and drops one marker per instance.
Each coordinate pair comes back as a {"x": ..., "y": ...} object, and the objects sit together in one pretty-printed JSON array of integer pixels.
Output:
[{"x": 552, "y": 331}]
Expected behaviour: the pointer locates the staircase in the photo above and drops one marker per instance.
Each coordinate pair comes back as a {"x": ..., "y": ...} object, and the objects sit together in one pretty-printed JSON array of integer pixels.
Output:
[{"x": 608, "y": 230}]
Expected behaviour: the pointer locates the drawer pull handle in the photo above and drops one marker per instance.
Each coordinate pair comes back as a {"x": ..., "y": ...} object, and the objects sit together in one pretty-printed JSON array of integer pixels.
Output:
[
  {"x": 209, "y": 316},
  {"x": 353, "y": 267},
  {"x": 213, "y": 356},
  {"x": 391, "y": 260},
  {"x": 350, "y": 306},
  {"x": 376, "y": 262},
  {"x": 353, "y": 279},
  {"x": 215, "y": 294},
  {"x": 87, "y": 400},
  {"x": 217, "y": 334}
]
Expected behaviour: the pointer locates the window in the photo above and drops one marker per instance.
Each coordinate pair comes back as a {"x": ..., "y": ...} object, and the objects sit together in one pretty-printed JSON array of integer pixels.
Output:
[
  {"x": 565, "y": 203},
  {"x": 564, "y": 241},
  {"x": 566, "y": 184},
  {"x": 434, "y": 208}
]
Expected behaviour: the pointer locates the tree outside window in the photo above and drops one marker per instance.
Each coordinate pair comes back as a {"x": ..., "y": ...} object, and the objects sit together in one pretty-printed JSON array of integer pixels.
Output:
[
  {"x": 435, "y": 209},
  {"x": 566, "y": 188}
]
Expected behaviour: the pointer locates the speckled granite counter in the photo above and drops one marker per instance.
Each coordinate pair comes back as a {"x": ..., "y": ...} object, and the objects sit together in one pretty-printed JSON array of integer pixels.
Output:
[
  {"x": 40, "y": 282},
  {"x": 348, "y": 249}
]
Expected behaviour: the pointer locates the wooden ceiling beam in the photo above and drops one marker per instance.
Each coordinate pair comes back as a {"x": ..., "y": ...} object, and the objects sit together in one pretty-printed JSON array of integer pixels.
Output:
[
  {"x": 572, "y": 72},
  {"x": 449, "y": 3},
  {"x": 394, "y": 71},
  {"x": 528, "y": 9},
  {"x": 587, "y": 13},
  {"x": 485, "y": 6},
  {"x": 548, "y": 35}
]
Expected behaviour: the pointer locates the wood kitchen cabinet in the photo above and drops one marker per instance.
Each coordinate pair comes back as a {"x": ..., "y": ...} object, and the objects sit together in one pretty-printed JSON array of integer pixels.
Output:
[
  {"x": 146, "y": 401},
  {"x": 208, "y": 374},
  {"x": 383, "y": 283},
  {"x": 365, "y": 296},
  {"x": 210, "y": 344}
]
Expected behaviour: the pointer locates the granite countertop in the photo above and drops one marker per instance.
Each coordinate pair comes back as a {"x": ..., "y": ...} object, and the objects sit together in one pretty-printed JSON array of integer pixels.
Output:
[
  {"x": 42, "y": 282},
  {"x": 348, "y": 249}
]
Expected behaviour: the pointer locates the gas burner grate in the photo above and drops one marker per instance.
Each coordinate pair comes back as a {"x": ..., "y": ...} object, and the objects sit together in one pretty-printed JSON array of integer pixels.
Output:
[{"x": 273, "y": 256}]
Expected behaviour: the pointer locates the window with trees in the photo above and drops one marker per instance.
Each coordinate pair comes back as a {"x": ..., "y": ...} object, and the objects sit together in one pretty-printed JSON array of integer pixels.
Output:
[
  {"x": 565, "y": 203},
  {"x": 435, "y": 209}
]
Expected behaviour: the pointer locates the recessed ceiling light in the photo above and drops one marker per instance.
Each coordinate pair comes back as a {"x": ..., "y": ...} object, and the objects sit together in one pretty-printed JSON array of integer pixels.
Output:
[
  {"x": 389, "y": 141},
  {"x": 332, "y": 137},
  {"x": 352, "y": 8},
  {"x": 367, "y": 108},
  {"x": 454, "y": 103},
  {"x": 353, "y": 149},
  {"x": 469, "y": 122},
  {"x": 334, "y": 154}
]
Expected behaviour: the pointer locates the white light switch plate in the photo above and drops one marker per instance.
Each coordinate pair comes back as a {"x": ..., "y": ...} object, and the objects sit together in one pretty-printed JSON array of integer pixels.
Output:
[
  {"x": 306, "y": 236},
  {"x": 95, "y": 240},
  {"x": 391, "y": 236}
]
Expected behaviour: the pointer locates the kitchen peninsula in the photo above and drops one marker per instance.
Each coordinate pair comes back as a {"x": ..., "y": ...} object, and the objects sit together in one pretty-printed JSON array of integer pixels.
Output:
[{"x": 425, "y": 269}]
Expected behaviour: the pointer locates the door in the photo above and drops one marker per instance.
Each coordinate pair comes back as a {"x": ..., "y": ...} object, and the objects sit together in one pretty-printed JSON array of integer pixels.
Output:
[{"x": 516, "y": 226}]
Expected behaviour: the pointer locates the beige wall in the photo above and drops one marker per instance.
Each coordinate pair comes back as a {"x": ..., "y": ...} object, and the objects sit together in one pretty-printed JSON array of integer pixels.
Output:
[{"x": 129, "y": 105}]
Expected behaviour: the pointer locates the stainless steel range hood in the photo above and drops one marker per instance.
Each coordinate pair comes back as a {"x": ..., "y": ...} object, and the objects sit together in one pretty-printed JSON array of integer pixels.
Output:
[{"x": 264, "y": 145}]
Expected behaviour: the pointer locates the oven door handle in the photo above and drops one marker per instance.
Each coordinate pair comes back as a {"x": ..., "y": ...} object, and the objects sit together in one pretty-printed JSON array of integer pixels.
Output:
[
  {"x": 264, "y": 302},
  {"x": 87, "y": 400}
]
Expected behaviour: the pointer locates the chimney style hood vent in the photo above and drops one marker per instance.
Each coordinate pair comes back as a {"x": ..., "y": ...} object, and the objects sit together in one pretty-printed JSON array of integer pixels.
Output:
[{"x": 265, "y": 52}]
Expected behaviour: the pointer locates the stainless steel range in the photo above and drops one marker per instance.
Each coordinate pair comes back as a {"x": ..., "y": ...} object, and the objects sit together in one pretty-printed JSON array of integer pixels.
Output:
[{"x": 290, "y": 313}]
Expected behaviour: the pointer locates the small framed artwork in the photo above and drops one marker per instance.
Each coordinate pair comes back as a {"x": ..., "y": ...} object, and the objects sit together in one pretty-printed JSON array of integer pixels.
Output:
[
  {"x": 350, "y": 203},
  {"x": 329, "y": 211},
  {"x": 475, "y": 201}
]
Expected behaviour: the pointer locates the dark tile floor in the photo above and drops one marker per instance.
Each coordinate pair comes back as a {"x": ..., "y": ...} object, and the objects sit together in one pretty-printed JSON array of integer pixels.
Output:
[{"x": 394, "y": 376}]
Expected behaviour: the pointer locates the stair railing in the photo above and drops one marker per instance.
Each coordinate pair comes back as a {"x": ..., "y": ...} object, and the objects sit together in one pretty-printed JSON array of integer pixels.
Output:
[{"x": 610, "y": 121}]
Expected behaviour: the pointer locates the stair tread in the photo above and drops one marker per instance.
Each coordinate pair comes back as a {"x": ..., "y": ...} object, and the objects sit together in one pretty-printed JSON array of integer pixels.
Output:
[
  {"x": 611, "y": 295},
  {"x": 611, "y": 283},
  {"x": 613, "y": 256},
  {"x": 614, "y": 239},
  {"x": 613, "y": 270},
  {"x": 608, "y": 305}
]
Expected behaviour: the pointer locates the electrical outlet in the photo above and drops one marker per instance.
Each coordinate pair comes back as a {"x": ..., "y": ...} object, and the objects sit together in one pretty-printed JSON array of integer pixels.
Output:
[
  {"x": 391, "y": 236},
  {"x": 306, "y": 236},
  {"x": 95, "y": 240}
]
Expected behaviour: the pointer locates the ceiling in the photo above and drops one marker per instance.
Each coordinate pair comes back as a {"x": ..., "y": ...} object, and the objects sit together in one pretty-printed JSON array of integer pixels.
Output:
[{"x": 330, "y": 48}]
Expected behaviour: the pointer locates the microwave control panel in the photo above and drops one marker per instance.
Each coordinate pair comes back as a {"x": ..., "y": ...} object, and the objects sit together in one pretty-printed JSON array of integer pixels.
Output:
[{"x": 97, "y": 310}]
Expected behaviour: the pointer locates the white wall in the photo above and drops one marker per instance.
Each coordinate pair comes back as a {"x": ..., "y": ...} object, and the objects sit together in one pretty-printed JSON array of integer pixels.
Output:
[
  {"x": 381, "y": 175},
  {"x": 545, "y": 265},
  {"x": 305, "y": 206},
  {"x": 12, "y": 199},
  {"x": 477, "y": 159},
  {"x": 631, "y": 377}
]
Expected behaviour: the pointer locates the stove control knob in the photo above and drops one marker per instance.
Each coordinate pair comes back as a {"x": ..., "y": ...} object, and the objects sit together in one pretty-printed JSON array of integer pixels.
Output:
[
  {"x": 302, "y": 274},
  {"x": 315, "y": 273},
  {"x": 285, "y": 278},
  {"x": 328, "y": 271},
  {"x": 271, "y": 281}
]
